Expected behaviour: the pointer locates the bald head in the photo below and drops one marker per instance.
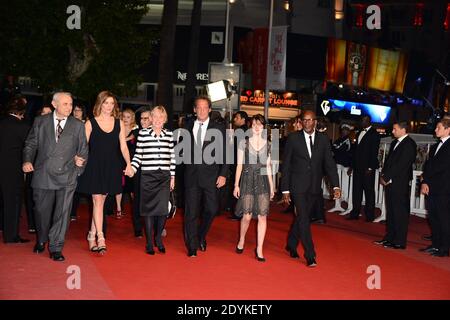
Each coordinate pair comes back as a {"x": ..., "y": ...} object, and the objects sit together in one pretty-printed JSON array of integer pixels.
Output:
[
  {"x": 62, "y": 102},
  {"x": 309, "y": 121}
]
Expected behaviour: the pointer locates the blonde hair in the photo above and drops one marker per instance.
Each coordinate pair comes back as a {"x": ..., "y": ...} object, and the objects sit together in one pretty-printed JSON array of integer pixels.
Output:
[
  {"x": 160, "y": 109},
  {"x": 101, "y": 98},
  {"x": 132, "y": 114}
]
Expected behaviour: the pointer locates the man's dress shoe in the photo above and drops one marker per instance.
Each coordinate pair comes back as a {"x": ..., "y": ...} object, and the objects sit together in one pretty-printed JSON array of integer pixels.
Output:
[
  {"x": 39, "y": 248},
  {"x": 311, "y": 262},
  {"x": 203, "y": 245},
  {"x": 292, "y": 252},
  {"x": 57, "y": 256}
]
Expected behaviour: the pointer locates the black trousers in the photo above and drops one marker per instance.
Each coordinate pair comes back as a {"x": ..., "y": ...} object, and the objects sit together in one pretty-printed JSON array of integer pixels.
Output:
[
  {"x": 29, "y": 202},
  {"x": 11, "y": 192},
  {"x": 52, "y": 209},
  {"x": 318, "y": 212},
  {"x": 439, "y": 216},
  {"x": 397, "y": 214},
  {"x": 195, "y": 197},
  {"x": 363, "y": 182},
  {"x": 137, "y": 219},
  {"x": 301, "y": 228}
]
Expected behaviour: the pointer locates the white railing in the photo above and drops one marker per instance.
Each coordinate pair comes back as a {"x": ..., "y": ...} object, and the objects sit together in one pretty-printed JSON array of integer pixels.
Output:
[{"x": 417, "y": 200}]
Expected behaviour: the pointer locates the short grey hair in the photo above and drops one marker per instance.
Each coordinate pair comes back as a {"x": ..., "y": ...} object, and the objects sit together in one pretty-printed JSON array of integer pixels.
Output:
[{"x": 57, "y": 95}]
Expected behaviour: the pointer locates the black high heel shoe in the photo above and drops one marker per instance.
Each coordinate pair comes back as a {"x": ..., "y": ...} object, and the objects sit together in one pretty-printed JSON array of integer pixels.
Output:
[
  {"x": 258, "y": 257},
  {"x": 238, "y": 250},
  {"x": 162, "y": 249},
  {"x": 149, "y": 250}
]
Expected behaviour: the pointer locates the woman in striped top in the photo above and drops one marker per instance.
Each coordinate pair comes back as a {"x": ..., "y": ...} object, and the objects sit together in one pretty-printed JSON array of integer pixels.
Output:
[{"x": 155, "y": 156}]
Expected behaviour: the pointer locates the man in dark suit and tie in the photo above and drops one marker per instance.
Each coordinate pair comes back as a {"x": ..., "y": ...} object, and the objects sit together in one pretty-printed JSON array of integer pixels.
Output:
[
  {"x": 396, "y": 176},
  {"x": 13, "y": 132},
  {"x": 307, "y": 159},
  {"x": 364, "y": 164},
  {"x": 204, "y": 174},
  {"x": 56, "y": 150},
  {"x": 436, "y": 186}
]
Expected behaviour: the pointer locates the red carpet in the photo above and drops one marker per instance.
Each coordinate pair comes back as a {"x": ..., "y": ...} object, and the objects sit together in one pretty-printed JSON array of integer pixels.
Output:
[{"x": 344, "y": 250}]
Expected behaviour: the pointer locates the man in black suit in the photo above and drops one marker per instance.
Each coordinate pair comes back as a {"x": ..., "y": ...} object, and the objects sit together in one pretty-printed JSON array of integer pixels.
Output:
[
  {"x": 307, "y": 159},
  {"x": 364, "y": 165},
  {"x": 13, "y": 132},
  {"x": 396, "y": 176},
  {"x": 436, "y": 186},
  {"x": 204, "y": 174}
]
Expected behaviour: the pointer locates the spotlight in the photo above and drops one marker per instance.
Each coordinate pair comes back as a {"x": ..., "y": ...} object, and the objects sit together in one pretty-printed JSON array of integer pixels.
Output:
[{"x": 221, "y": 90}]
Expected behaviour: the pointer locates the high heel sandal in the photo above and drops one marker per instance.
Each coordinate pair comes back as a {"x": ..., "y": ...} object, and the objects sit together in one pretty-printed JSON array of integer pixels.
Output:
[
  {"x": 92, "y": 243},
  {"x": 258, "y": 257},
  {"x": 101, "y": 243}
]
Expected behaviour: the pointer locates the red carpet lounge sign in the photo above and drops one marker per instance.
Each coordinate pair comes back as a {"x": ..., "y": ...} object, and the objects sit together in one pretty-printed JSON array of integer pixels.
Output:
[{"x": 256, "y": 98}]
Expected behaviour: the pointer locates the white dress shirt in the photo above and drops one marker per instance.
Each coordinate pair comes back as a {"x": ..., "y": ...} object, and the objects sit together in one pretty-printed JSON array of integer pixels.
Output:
[
  {"x": 363, "y": 133},
  {"x": 55, "y": 123},
  {"x": 313, "y": 135},
  {"x": 204, "y": 127},
  {"x": 400, "y": 140},
  {"x": 440, "y": 144}
]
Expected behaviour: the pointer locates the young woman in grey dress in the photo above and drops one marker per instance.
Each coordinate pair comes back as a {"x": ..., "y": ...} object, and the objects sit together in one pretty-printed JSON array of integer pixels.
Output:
[{"x": 253, "y": 185}]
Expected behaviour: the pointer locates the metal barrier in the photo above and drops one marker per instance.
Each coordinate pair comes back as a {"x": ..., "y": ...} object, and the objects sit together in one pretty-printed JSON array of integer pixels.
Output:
[{"x": 417, "y": 200}]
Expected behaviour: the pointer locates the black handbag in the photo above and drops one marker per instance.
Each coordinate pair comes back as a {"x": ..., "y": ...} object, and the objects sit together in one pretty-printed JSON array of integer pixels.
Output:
[{"x": 172, "y": 206}]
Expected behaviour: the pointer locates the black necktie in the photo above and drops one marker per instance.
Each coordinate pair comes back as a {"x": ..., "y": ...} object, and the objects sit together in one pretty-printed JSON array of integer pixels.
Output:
[
  {"x": 199, "y": 135},
  {"x": 59, "y": 129},
  {"x": 311, "y": 145},
  {"x": 439, "y": 145},
  {"x": 395, "y": 142}
]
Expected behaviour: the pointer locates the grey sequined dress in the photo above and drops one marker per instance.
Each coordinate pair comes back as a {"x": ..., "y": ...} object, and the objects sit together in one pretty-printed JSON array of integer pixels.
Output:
[{"x": 254, "y": 183}]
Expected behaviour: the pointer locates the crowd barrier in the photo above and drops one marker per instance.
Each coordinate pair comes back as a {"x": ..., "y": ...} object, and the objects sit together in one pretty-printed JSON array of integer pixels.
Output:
[{"x": 417, "y": 200}]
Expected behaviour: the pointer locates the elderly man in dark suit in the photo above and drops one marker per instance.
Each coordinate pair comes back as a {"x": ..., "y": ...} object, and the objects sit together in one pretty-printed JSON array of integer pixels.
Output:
[
  {"x": 204, "y": 176},
  {"x": 307, "y": 159},
  {"x": 56, "y": 151},
  {"x": 13, "y": 132},
  {"x": 365, "y": 163},
  {"x": 396, "y": 176},
  {"x": 436, "y": 186}
]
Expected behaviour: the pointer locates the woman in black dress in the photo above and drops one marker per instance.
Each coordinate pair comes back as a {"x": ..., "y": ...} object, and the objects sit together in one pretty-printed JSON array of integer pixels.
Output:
[
  {"x": 103, "y": 174},
  {"x": 129, "y": 121},
  {"x": 155, "y": 156},
  {"x": 253, "y": 184}
]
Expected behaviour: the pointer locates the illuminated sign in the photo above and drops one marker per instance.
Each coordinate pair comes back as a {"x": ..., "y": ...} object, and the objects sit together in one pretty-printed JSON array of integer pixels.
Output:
[
  {"x": 276, "y": 99},
  {"x": 378, "y": 113},
  {"x": 200, "y": 76}
]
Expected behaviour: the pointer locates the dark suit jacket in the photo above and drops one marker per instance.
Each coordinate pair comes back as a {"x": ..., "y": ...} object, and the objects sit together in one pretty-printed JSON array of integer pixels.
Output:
[
  {"x": 436, "y": 171},
  {"x": 54, "y": 167},
  {"x": 206, "y": 174},
  {"x": 398, "y": 164},
  {"x": 299, "y": 172},
  {"x": 366, "y": 152},
  {"x": 13, "y": 133}
]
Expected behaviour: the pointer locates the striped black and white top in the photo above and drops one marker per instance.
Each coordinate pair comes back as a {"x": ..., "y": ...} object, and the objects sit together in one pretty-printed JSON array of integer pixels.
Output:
[{"x": 153, "y": 152}]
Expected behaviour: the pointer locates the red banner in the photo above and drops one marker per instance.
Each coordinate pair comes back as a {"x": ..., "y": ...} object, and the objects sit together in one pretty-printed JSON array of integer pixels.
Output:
[{"x": 260, "y": 57}]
